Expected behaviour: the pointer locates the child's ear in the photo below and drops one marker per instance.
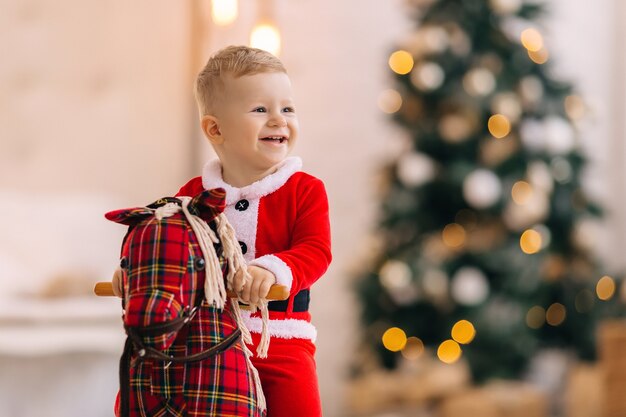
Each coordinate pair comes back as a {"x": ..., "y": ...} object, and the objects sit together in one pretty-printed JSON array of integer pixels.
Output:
[{"x": 211, "y": 128}]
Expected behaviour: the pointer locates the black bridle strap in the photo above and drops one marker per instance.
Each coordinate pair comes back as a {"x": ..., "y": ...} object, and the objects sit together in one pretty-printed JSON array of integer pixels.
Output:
[
  {"x": 147, "y": 352},
  {"x": 133, "y": 342},
  {"x": 158, "y": 329},
  {"x": 125, "y": 379},
  {"x": 135, "y": 334}
]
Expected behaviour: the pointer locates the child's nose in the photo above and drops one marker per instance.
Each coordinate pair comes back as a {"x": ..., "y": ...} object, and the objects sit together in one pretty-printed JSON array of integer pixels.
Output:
[{"x": 278, "y": 120}]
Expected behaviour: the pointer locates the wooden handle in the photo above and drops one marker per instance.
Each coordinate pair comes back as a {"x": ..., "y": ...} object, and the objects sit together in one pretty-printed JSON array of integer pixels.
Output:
[
  {"x": 103, "y": 289},
  {"x": 277, "y": 292}
]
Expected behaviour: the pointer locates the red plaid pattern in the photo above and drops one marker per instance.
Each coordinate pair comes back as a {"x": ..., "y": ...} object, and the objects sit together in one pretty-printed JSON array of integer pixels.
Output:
[{"x": 163, "y": 277}]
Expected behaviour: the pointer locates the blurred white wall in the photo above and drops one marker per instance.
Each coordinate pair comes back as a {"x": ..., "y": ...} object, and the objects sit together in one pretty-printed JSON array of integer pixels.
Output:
[
  {"x": 587, "y": 44},
  {"x": 96, "y": 98},
  {"x": 94, "y": 115}
]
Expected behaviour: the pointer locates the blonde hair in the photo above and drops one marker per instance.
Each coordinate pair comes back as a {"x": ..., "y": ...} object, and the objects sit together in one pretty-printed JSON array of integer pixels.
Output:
[{"x": 236, "y": 61}]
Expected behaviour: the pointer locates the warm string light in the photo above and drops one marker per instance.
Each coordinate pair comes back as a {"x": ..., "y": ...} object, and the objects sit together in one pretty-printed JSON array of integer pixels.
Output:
[
  {"x": 536, "y": 317},
  {"x": 449, "y": 351},
  {"x": 532, "y": 40},
  {"x": 530, "y": 241},
  {"x": 401, "y": 62},
  {"x": 224, "y": 12},
  {"x": 555, "y": 314},
  {"x": 539, "y": 57},
  {"x": 522, "y": 192},
  {"x": 267, "y": 37},
  {"x": 463, "y": 332},
  {"x": 605, "y": 288},
  {"x": 453, "y": 235},
  {"x": 394, "y": 339},
  {"x": 499, "y": 126},
  {"x": 264, "y": 35},
  {"x": 413, "y": 349}
]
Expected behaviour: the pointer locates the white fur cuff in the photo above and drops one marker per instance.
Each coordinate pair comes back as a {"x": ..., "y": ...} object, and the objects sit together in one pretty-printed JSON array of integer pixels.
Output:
[
  {"x": 276, "y": 266},
  {"x": 285, "y": 329}
]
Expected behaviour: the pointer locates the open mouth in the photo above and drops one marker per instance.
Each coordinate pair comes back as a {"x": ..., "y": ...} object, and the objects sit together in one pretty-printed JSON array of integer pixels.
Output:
[{"x": 275, "y": 139}]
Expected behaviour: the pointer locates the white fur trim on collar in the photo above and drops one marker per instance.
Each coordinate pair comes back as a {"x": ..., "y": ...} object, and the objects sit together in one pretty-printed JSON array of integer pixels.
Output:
[{"x": 212, "y": 178}]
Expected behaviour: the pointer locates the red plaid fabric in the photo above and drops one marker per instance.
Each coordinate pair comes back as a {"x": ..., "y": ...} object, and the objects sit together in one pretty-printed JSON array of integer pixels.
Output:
[{"x": 163, "y": 276}]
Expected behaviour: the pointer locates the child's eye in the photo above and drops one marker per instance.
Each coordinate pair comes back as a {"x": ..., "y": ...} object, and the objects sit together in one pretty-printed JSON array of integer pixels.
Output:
[
  {"x": 260, "y": 110},
  {"x": 289, "y": 110}
]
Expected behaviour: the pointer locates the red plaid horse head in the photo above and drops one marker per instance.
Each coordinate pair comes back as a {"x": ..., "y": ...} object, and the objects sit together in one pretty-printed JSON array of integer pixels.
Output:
[{"x": 164, "y": 272}]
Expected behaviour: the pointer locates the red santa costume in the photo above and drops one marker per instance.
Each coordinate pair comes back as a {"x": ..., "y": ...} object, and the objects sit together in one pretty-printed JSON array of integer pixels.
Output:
[{"x": 282, "y": 225}]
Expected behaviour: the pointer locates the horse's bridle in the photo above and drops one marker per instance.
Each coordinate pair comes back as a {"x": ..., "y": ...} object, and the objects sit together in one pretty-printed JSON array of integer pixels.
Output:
[
  {"x": 134, "y": 343},
  {"x": 144, "y": 352}
]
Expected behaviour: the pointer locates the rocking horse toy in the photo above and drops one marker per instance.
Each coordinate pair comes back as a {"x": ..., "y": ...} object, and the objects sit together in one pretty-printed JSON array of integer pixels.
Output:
[{"x": 185, "y": 353}]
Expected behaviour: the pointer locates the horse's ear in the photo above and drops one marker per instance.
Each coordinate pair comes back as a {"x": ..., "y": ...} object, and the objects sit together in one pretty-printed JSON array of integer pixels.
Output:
[
  {"x": 129, "y": 216},
  {"x": 208, "y": 204},
  {"x": 132, "y": 216}
]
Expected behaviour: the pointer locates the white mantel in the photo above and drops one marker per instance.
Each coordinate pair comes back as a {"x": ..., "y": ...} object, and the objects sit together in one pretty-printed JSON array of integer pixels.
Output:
[{"x": 49, "y": 327}]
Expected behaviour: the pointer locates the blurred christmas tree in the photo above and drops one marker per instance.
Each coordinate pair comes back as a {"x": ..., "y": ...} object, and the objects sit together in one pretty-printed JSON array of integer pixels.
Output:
[{"x": 483, "y": 251}]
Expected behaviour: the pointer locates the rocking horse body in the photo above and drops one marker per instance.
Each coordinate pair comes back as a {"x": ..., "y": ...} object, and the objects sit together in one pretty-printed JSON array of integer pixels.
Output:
[{"x": 183, "y": 356}]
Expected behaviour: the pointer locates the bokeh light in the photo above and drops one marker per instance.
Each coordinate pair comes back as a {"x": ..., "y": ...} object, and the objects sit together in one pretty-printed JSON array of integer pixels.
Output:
[
  {"x": 413, "y": 349},
  {"x": 267, "y": 37},
  {"x": 395, "y": 274},
  {"x": 401, "y": 62},
  {"x": 449, "y": 351},
  {"x": 539, "y": 57},
  {"x": 394, "y": 339},
  {"x": 479, "y": 82},
  {"x": 463, "y": 332},
  {"x": 532, "y": 39},
  {"x": 389, "y": 101},
  {"x": 499, "y": 126},
  {"x": 453, "y": 235},
  {"x": 455, "y": 127},
  {"x": 605, "y": 288},
  {"x": 575, "y": 107},
  {"x": 545, "y": 233},
  {"x": 522, "y": 192},
  {"x": 555, "y": 314},
  {"x": 428, "y": 76},
  {"x": 530, "y": 241},
  {"x": 224, "y": 12},
  {"x": 536, "y": 317}
]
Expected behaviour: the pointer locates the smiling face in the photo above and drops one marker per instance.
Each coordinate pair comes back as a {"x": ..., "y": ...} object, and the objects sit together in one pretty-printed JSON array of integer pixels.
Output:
[{"x": 254, "y": 126}]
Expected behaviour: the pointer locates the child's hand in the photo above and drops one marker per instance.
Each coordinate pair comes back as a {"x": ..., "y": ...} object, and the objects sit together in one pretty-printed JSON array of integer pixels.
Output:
[
  {"x": 117, "y": 282},
  {"x": 257, "y": 287}
]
